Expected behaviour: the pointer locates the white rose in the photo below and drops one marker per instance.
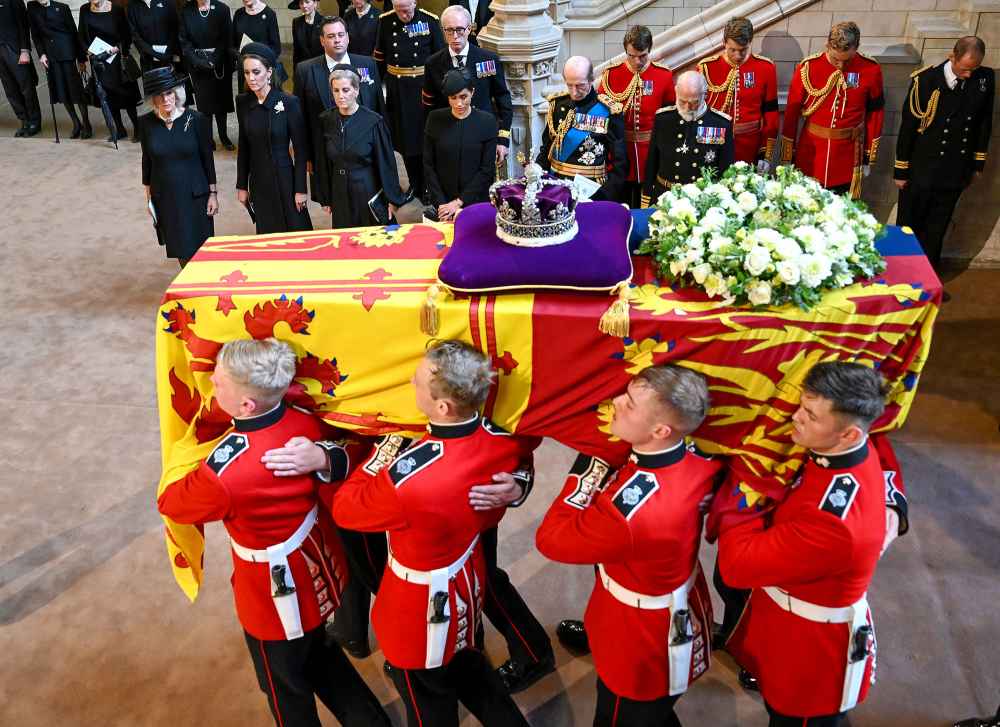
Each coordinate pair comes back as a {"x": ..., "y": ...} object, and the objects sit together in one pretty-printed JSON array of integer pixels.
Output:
[
  {"x": 694, "y": 255},
  {"x": 715, "y": 285},
  {"x": 691, "y": 191},
  {"x": 701, "y": 272},
  {"x": 772, "y": 189},
  {"x": 757, "y": 260},
  {"x": 717, "y": 242},
  {"x": 843, "y": 242},
  {"x": 678, "y": 268},
  {"x": 766, "y": 237},
  {"x": 714, "y": 219},
  {"x": 788, "y": 272},
  {"x": 739, "y": 166},
  {"x": 787, "y": 249},
  {"x": 738, "y": 186},
  {"x": 759, "y": 293},
  {"x": 812, "y": 238},
  {"x": 815, "y": 269},
  {"x": 747, "y": 202},
  {"x": 684, "y": 210}
]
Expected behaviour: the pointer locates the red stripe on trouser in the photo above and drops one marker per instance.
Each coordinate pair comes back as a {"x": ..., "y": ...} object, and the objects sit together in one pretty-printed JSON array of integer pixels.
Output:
[
  {"x": 510, "y": 621},
  {"x": 270, "y": 683},
  {"x": 413, "y": 700},
  {"x": 614, "y": 717}
]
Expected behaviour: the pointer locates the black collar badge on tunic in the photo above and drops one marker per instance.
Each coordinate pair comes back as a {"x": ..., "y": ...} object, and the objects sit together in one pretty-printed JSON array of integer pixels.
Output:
[
  {"x": 839, "y": 495},
  {"x": 655, "y": 460},
  {"x": 634, "y": 493},
  {"x": 226, "y": 452},
  {"x": 413, "y": 460},
  {"x": 842, "y": 460},
  {"x": 266, "y": 419},
  {"x": 454, "y": 431}
]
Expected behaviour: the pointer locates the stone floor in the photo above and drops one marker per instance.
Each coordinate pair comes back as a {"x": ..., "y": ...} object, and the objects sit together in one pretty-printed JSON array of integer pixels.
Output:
[{"x": 96, "y": 633}]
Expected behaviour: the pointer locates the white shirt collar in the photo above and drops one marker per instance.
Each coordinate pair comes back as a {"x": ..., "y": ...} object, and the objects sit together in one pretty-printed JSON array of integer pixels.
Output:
[
  {"x": 464, "y": 54},
  {"x": 330, "y": 63},
  {"x": 949, "y": 75}
]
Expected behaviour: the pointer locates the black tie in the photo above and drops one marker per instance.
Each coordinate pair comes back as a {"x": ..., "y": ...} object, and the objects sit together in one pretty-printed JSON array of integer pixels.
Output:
[{"x": 459, "y": 61}]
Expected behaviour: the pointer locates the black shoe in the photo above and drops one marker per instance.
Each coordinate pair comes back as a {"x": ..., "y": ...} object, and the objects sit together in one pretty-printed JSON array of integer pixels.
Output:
[
  {"x": 357, "y": 649},
  {"x": 748, "y": 681},
  {"x": 32, "y": 129},
  {"x": 75, "y": 134},
  {"x": 517, "y": 676},
  {"x": 227, "y": 145},
  {"x": 88, "y": 132},
  {"x": 20, "y": 132},
  {"x": 977, "y": 722},
  {"x": 573, "y": 636}
]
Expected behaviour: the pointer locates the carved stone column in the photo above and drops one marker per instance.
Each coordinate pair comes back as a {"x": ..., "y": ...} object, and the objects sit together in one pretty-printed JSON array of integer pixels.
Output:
[{"x": 522, "y": 33}]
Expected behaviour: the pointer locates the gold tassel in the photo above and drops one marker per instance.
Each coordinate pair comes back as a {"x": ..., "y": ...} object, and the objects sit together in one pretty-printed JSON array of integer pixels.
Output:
[
  {"x": 430, "y": 318},
  {"x": 855, "y": 190},
  {"x": 615, "y": 321}
]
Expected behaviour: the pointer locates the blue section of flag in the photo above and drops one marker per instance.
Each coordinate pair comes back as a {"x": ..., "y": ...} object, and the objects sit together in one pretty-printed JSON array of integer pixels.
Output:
[{"x": 897, "y": 242}]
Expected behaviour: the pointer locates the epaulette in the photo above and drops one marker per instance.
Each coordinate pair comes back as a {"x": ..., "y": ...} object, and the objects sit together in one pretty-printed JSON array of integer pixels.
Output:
[
  {"x": 660, "y": 65},
  {"x": 614, "y": 106},
  {"x": 727, "y": 117},
  {"x": 415, "y": 459},
  {"x": 428, "y": 12},
  {"x": 635, "y": 493},
  {"x": 921, "y": 70},
  {"x": 763, "y": 58},
  {"x": 666, "y": 108},
  {"x": 387, "y": 12},
  {"x": 839, "y": 495},
  {"x": 704, "y": 61},
  {"x": 813, "y": 57},
  {"x": 226, "y": 452},
  {"x": 556, "y": 95},
  {"x": 495, "y": 429}
]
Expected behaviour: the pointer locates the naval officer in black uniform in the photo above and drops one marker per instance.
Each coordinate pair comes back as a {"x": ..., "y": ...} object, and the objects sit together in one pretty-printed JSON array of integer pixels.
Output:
[
  {"x": 407, "y": 37},
  {"x": 483, "y": 67},
  {"x": 943, "y": 139},
  {"x": 585, "y": 133},
  {"x": 686, "y": 138}
]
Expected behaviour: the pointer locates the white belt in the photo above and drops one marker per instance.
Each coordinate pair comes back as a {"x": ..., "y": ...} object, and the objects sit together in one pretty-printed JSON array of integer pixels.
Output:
[
  {"x": 437, "y": 581},
  {"x": 285, "y": 601},
  {"x": 676, "y": 600},
  {"x": 856, "y": 615}
]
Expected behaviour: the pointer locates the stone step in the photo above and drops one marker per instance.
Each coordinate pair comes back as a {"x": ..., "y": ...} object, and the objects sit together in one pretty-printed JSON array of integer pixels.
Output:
[
  {"x": 920, "y": 27},
  {"x": 899, "y": 52}
]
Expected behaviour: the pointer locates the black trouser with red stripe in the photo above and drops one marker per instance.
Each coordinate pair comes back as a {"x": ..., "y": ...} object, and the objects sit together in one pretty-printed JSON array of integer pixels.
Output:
[
  {"x": 293, "y": 673},
  {"x": 431, "y": 696},
  {"x": 366, "y": 558},
  {"x": 783, "y": 720},
  {"x": 526, "y": 638},
  {"x": 615, "y": 711}
]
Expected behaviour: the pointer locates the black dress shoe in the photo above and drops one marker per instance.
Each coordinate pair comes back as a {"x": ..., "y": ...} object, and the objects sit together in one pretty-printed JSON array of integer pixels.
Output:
[
  {"x": 32, "y": 129},
  {"x": 87, "y": 132},
  {"x": 75, "y": 134},
  {"x": 977, "y": 722},
  {"x": 748, "y": 681},
  {"x": 356, "y": 648},
  {"x": 573, "y": 636},
  {"x": 517, "y": 677},
  {"x": 20, "y": 132}
]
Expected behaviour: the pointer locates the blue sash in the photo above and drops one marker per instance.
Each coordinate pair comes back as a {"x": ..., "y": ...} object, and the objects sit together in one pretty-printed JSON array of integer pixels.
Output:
[{"x": 574, "y": 137}]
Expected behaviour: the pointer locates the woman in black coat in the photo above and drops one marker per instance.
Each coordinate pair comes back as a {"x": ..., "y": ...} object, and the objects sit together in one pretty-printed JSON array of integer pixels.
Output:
[
  {"x": 178, "y": 170},
  {"x": 205, "y": 34},
  {"x": 63, "y": 56},
  {"x": 361, "y": 20},
  {"x": 305, "y": 32},
  {"x": 268, "y": 179},
  {"x": 460, "y": 147},
  {"x": 104, "y": 20},
  {"x": 359, "y": 158},
  {"x": 258, "y": 22}
]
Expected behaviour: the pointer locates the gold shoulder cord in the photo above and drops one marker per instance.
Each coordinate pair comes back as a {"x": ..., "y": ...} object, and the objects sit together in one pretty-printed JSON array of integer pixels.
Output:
[
  {"x": 818, "y": 96},
  {"x": 926, "y": 116},
  {"x": 627, "y": 97},
  {"x": 564, "y": 126},
  {"x": 727, "y": 87}
]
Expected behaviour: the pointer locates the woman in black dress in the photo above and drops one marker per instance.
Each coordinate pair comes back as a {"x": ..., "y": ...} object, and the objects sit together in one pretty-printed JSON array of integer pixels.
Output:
[
  {"x": 178, "y": 170},
  {"x": 460, "y": 148},
  {"x": 104, "y": 20},
  {"x": 268, "y": 178},
  {"x": 257, "y": 21},
  {"x": 305, "y": 32},
  {"x": 205, "y": 34},
  {"x": 63, "y": 56},
  {"x": 359, "y": 157},
  {"x": 361, "y": 20}
]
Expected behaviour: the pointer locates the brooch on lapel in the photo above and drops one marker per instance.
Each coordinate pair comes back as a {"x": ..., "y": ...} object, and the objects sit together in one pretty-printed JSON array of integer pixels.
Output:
[
  {"x": 279, "y": 107},
  {"x": 187, "y": 123}
]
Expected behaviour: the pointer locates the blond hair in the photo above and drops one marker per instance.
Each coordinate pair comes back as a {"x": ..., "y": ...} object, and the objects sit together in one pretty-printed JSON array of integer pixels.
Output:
[{"x": 266, "y": 367}]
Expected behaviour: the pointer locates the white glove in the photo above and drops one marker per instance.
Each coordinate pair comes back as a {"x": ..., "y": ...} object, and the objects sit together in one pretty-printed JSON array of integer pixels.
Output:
[
  {"x": 866, "y": 170},
  {"x": 763, "y": 166}
]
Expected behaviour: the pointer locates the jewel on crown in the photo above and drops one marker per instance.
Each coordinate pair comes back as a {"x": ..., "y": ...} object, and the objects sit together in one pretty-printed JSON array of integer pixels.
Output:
[{"x": 535, "y": 210}]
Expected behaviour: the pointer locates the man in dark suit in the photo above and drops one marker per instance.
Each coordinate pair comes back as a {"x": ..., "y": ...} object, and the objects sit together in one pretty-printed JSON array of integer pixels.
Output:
[
  {"x": 17, "y": 73},
  {"x": 943, "y": 139},
  {"x": 483, "y": 67},
  {"x": 312, "y": 84}
]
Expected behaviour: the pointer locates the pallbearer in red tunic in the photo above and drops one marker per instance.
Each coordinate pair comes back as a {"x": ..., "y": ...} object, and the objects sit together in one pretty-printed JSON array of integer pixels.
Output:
[
  {"x": 288, "y": 565},
  {"x": 807, "y": 632},
  {"x": 838, "y": 93},
  {"x": 649, "y": 618},
  {"x": 744, "y": 86},
  {"x": 641, "y": 87},
  {"x": 429, "y": 606}
]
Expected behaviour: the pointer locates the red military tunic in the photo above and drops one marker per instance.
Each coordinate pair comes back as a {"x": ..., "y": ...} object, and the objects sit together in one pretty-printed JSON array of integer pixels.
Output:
[
  {"x": 843, "y": 111},
  {"x": 650, "y": 90},
  {"x": 259, "y": 510},
  {"x": 422, "y": 500},
  {"x": 821, "y": 548},
  {"x": 643, "y": 525},
  {"x": 749, "y": 94}
]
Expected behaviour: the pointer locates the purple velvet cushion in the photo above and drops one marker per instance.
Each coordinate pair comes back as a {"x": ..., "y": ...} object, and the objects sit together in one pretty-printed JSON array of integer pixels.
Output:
[{"x": 597, "y": 259}]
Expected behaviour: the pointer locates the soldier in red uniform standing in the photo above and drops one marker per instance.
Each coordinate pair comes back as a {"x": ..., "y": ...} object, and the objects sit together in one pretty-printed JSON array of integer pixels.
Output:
[
  {"x": 807, "y": 632},
  {"x": 744, "y": 86},
  {"x": 649, "y": 618},
  {"x": 288, "y": 565},
  {"x": 429, "y": 607},
  {"x": 838, "y": 93},
  {"x": 642, "y": 87}
]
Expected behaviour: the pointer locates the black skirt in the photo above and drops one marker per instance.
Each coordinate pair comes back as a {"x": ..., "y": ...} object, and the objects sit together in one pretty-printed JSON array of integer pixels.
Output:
[
  {"x": 121, "y": 92},
  {"x": 65, "y": 84}
]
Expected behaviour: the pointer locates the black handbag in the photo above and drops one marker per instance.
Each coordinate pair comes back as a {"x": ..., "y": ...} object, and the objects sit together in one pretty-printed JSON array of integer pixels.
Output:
[{"x": 130, "y": 68}]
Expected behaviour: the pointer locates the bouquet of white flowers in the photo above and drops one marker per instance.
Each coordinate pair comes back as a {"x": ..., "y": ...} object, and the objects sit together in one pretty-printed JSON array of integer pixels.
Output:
[{"x": 762, "y": 240}]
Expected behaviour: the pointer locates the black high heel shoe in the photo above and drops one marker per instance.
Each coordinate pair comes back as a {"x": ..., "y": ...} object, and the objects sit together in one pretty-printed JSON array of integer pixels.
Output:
[{"x": 77, "y": 130}]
